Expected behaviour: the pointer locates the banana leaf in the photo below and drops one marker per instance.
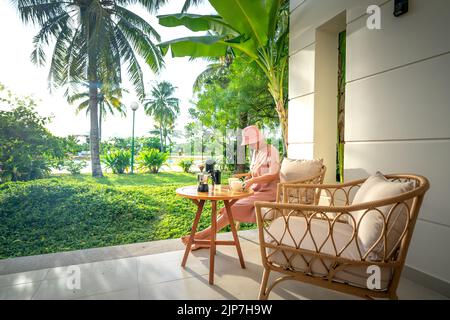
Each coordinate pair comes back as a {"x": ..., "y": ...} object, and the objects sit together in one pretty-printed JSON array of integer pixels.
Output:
[
  {"x": 195, "y": 22},
  {"x": 253, "y": 19},
  {"x": 207, "y": 46}
]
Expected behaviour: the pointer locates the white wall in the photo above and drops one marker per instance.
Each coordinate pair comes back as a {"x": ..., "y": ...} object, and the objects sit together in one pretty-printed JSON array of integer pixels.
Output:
[{"x": 397, "y": 104}]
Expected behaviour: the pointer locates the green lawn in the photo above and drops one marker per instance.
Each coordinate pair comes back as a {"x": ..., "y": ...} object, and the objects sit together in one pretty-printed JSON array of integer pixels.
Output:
[{"x": 70, "y": 213}]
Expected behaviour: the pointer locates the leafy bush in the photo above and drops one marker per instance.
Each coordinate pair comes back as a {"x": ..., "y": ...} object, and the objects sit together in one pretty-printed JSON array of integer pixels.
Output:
[
  {"x": 186, "y": 164},
  {"x": 27, "y": 149},
  {"x": 73, "y": 146},
  {"x": 118, "y": 161},
  {"x": 74, "y": 166},
  {"x": 152, "y": 159},
  {"x": 125, "y": 144}
]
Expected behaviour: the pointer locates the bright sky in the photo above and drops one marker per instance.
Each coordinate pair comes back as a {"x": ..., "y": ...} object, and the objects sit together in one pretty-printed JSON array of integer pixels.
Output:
[{"x": 19, "y": 75}]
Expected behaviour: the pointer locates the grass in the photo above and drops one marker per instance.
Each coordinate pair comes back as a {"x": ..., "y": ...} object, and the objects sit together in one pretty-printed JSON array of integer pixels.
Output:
[{"x": 77, "y": 212}]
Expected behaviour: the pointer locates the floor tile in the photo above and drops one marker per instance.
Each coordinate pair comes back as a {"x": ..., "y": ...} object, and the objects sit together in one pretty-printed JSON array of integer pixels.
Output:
[
  {"x": 95, "y": 278},
  {"x": 19, "y": 292},
  {"x": 196, "y": 288},
  {"x": 127, "y": 294},
  {"x": 408, "y": 290},
  {"x": 22, "y": 278}
]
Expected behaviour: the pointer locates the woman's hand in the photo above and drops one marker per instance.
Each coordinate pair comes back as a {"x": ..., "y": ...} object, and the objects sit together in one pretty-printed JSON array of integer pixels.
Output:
[{"x": 248, "y": 183}]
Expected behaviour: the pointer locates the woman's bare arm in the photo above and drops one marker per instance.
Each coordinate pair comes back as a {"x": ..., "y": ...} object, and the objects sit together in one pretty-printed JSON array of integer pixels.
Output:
[
  {"x": 242, "y": 175},
  {"x": 267, "y": 178}
]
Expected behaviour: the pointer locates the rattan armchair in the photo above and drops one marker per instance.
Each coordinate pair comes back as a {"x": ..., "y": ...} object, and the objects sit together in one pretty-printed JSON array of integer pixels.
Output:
[{"x": 318, "y": 244}]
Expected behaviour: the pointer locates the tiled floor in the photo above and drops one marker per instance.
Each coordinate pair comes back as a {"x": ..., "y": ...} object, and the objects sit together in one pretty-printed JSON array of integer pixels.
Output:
[{"x": 160, "y": 276}]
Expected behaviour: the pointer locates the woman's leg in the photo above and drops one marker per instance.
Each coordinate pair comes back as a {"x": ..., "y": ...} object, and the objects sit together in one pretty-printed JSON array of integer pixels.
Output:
[
  {"x": 222, "y": 222},
  {"x": 243, "y": 211}
]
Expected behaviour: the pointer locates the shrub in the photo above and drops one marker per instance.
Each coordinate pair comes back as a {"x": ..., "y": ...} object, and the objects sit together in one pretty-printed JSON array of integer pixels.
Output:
[
  {"x": 27, "y": 149},
  {"x": 118, "y": 161},
  {"x": 74, "y": 166},
  {"x": 186, "y": 164},
  {"x": 152, "y": 159}
]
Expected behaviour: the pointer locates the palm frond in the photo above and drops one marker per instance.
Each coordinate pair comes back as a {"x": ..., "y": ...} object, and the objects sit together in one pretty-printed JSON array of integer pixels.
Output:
[
  {"x": 142, "y": 44},
  {"x": 134, "y": 69},
  {"x": 190, "y": 3},
  {"x": 137, "y": 21}
]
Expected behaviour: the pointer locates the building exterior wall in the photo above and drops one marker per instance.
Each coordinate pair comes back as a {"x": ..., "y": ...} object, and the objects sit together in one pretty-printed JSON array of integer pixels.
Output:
[{"x": 397, "y": 104}]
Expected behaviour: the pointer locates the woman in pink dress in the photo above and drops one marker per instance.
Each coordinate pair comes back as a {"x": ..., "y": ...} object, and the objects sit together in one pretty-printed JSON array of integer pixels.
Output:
[{"x": 263, "y": 179}]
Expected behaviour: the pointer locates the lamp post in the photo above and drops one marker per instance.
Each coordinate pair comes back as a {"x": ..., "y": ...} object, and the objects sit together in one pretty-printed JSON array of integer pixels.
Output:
[{"x": 134, "y": 107}]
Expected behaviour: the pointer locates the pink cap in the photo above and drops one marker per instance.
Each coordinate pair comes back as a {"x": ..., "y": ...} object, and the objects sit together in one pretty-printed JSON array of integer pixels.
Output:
[{"x": 251, "y": 135}]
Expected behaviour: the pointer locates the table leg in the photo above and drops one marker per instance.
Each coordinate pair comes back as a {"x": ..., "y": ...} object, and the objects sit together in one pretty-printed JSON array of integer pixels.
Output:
[
  {"x": 212, "y": 248},
  {"x": 234, "y": 232},
  {"x": 200, "y": 205}
]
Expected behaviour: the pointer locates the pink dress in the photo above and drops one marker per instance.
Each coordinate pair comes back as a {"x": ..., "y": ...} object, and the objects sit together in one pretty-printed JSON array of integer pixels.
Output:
[{"x": 264, "y": 161}]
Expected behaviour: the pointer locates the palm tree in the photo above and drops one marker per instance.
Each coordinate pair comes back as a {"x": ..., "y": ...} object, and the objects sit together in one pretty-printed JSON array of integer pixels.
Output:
[
  {"x": 109, "y": 99},
  {"x": 168, "y": 133},
  {"x": 163, "y": 107},
  {"x": 218, "y": 70},
  {"x": 92, "y": 40}
]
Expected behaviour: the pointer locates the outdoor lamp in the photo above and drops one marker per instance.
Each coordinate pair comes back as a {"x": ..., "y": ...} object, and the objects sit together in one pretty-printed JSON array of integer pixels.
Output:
[{"x": 134, "y": 107}]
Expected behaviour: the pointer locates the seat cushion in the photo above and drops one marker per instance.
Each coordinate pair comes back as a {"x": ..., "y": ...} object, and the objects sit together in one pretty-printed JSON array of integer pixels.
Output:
[
  {"x": 371, "y": 224},
  {"x": 318, "y": 241}
]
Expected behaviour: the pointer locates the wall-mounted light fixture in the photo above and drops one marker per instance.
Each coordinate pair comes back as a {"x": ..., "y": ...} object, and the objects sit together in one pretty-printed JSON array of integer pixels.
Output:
[{"x": 401, "y": 7}]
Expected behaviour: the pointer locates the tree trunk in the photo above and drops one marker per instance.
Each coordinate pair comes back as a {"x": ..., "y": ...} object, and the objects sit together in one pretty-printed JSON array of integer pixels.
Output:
[
  {"x": 100, "y": 116},
  {"x": 283, "y": 116},
  {"x": 93, "y": 110},
  {"x": 161, "y": 138},
  {"x": 165, "y": 140}
]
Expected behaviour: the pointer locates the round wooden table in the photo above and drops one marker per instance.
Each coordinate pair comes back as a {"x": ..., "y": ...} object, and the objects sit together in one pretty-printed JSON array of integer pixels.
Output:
[{"x": 199, "y": 198}]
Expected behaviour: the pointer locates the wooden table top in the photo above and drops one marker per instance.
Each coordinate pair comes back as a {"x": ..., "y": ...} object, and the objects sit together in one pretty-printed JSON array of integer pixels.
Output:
[{"x": 224, "y": 193}]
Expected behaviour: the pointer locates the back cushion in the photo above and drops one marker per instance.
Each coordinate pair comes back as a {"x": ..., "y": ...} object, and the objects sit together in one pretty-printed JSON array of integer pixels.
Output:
[
  {"x": 375, "y": 188},
  {"x": 292, "y": 170},
  {"x": 296, "y": 170}
]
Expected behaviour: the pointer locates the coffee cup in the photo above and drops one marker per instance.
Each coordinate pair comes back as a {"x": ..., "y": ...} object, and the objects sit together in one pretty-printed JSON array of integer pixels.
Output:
[{"x": 236, "y": 185}]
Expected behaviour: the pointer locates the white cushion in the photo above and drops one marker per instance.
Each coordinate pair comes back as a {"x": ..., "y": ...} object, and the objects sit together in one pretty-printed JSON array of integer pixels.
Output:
[
  {"x": 295, "y": 237},
  {"x": 292, "y": 170},
  {"x": 295, "y": 170},
  {"x": 375, "y": 188}
]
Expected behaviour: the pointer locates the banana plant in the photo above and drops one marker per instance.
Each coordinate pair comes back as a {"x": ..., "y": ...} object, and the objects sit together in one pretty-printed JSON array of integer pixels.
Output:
[{"x": 254, "y": 29}]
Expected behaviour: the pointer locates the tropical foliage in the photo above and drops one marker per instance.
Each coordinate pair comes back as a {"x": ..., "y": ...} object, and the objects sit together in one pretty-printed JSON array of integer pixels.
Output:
[
  {"x": 152, "y": 160},
  {"x": 109, "y": 99},
  {"x": 117, "y": 160},
  {"x": 236, "y": 99},
  {"x": 92, "y": 40},
  {"x": 164, "y": 108},
  {"x": 186, "y": 164},
  {"x": 74, "y": 166},
  {"x": 125, "y": 144},
  {"x": 256, "y": 30},
  {"x": 27, "y": 149}
]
